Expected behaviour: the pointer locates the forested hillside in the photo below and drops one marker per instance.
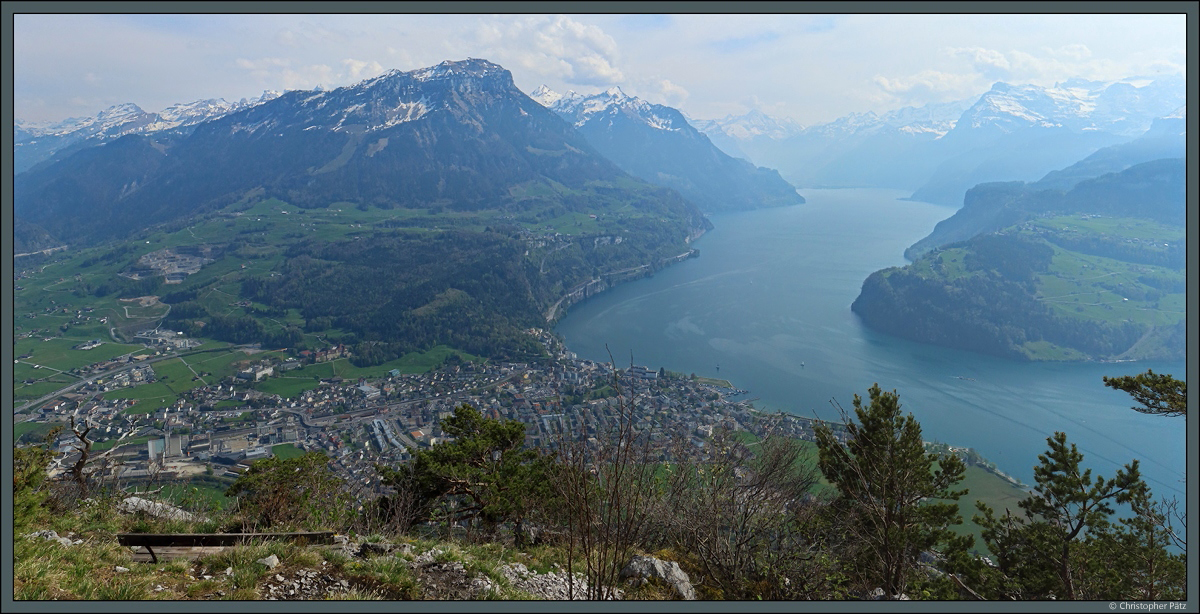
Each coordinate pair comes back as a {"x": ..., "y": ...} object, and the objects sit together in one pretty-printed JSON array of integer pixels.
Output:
[{"x": 1080, "y": 287}]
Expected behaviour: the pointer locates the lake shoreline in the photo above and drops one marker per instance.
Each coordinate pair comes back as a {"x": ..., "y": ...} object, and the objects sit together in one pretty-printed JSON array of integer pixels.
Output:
[{"x": 769, "y": 302}]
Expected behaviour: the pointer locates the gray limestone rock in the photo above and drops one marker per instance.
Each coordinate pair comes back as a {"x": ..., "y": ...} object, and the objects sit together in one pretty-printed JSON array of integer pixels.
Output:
[{"x": 645, "y": 567}]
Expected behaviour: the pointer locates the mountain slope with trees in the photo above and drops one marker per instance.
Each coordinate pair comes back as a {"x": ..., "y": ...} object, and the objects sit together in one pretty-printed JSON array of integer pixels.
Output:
[
  {"x": 1055, "y": 285},
  {"x": 422, "y": 208},
  {"x": 1153, "y": 190}
]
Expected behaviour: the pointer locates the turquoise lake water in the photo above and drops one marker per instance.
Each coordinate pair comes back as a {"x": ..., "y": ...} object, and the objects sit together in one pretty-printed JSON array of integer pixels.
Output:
[{"x": 767, "y": 306}]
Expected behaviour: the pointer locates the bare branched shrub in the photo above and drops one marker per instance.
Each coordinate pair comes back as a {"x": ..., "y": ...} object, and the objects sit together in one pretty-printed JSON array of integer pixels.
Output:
[
  {"x": 607, "y": 492},
  {"x": 396, "y": 513},
  {"x": 1168, "y": 516},
  {"x": 735, "y": 511},
  {"x": 92, "y": 473}
]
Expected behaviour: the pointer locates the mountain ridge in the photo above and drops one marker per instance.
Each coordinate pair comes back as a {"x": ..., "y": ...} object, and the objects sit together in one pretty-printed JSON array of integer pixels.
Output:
[
  {"x": 35, "y": 143},
  {"x": 941, "y": 150},
  {"x": 658, "y": 144}
]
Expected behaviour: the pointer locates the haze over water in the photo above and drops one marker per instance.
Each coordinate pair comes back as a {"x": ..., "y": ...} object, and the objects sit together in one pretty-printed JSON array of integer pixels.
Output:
[{"x": 768, "y": 302}]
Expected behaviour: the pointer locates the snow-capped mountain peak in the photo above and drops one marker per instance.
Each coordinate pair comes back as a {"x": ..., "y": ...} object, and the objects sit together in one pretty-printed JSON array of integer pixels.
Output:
[
  {"x": 756, "y": 123},
  {"x": 201, "y": 108},
  {"x": 583, "y": 108},
  {"x": 545, "y": 96},
  {"x": 39, "y": 141},
  {"x": 473, "y": 67},
  {"x": 1125, "y": 107}
]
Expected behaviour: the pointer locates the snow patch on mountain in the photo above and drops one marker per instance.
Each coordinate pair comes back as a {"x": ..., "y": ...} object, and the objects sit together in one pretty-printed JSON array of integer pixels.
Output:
[{"x": 404, "y": 112}]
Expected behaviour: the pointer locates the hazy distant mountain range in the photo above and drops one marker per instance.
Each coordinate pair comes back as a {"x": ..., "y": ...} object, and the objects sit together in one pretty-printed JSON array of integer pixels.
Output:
[
  {"x": 36, "y": 142},
  {"x": 1012, "y": 132},
  {"x": 657, "y": 144}
]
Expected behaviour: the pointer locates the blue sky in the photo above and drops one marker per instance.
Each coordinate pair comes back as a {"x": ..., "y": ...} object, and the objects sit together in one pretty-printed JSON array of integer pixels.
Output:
[{"x": 810, "y": 68}]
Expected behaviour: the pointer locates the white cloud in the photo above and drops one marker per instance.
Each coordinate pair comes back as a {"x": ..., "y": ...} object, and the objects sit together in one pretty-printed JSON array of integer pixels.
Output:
[
  {"x": 672, "y": 94},
  {"x": 552, "y": 48},
  {"x": 655, "y": 89},
  {"x": 1076, "y": 51},
  {"x": 281, "y": 72},
  {"x": 927, "y": 85},
  {"x": 1046, "y": 65},
  {"x": 868, "y": 62},
  {"x": 360, "y": 69},
  {"x": 990, "y": 63}
]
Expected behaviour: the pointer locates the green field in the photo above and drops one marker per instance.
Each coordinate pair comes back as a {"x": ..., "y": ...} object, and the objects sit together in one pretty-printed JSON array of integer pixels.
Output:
[
  {"x": 57, "y": 353},
  {"x": 994, "y": 491},
  {"x": 37, "y": 429},
  {"x": 573, "y": 223},
  {"x": 134, "y": 441},
  {"x": 25, "y": 392},
  {"x": 150, "y": 397},
  {"x": 1081, "y": 285},
  {"x": 246, "y": 416},
  {"x": 413, "y": 362},
  {"x": 286, "y": 451},
  {"x": 1137, "y": 285},
  {"x": 1129, "y": 228},
  {"x": 219, "y": 364},
  {"x": 175, "y": 375},
  {"x": 287, "y": 387},
  {"x": 254, "y": 235},
  {"x": 197, "y": 495}
]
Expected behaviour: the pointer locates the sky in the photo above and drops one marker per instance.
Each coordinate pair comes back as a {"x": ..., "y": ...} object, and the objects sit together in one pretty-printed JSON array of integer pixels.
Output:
[{"x": 809, "y": 68}]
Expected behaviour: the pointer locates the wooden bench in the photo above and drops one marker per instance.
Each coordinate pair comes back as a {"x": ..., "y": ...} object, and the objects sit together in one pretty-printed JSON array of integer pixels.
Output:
[{"x": 195, "y": 545}]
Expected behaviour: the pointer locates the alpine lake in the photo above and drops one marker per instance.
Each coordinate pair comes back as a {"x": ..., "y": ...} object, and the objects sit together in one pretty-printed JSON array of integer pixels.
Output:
[{"x": 767, "y": 307}]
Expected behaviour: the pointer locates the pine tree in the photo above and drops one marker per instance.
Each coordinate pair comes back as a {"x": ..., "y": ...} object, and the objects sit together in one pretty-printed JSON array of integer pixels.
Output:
[
  {"x": 486, "y": 470},
  {"x": 886, "y": 481},
  {"x": 1156, "y": 393},
  {"x": 1151, "y": 571},
  {"x": 1065, "y": 544}
]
